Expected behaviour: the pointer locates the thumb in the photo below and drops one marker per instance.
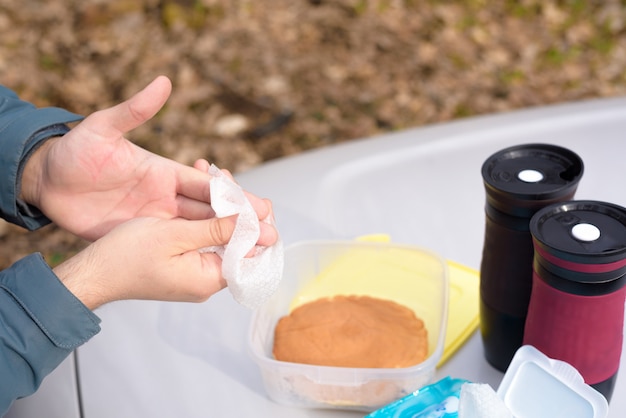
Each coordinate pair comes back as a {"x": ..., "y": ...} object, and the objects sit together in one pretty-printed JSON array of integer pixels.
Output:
[
  {"x": 131, "y": 113},
  {"x": 205, "y": 233}
]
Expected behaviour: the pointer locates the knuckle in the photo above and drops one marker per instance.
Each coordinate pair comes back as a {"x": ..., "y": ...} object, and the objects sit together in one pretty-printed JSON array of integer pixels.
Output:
[{"x": 221, "y": 230}]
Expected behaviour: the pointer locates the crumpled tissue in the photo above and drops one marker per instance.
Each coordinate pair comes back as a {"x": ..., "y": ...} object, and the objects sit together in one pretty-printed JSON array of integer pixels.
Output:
[
  {"x": 253, "y": 279},
  {"x": 479, "y": 400}
]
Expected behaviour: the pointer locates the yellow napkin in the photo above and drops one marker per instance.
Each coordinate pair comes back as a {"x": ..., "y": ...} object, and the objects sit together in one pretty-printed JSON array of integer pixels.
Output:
[{"x": 462, "y": 308}]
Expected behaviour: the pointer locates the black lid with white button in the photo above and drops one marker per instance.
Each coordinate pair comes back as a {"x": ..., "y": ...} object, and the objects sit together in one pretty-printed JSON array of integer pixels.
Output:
[
  {"x": 582, "y": 241},
  {"x": 520, "y": 180}
]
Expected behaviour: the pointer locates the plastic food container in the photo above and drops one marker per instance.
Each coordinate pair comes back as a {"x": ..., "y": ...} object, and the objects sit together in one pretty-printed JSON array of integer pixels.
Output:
[
  {"x": 410, "y": 276},
  {"x": 536, "y": 386}
]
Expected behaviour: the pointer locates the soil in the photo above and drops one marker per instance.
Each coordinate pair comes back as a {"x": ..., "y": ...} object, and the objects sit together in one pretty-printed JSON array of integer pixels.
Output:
[{"x": 254, "y": 81}]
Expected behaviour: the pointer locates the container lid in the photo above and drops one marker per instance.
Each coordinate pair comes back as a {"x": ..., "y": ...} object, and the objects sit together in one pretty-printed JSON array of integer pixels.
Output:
[
  {"x": 536, "y": 386},
  {"x": 582, "y": 232},
  {"x": 521, "y": 179}
]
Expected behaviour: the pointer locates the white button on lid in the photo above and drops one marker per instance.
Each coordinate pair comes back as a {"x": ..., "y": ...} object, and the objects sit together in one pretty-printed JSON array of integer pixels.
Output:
[
  {"x": 530, "y": 176},
  {"x": 585, "y": 232}
]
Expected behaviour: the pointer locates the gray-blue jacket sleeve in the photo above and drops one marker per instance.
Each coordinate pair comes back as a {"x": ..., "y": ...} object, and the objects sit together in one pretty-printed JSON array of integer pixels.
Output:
[
  {"x": 23, "y": 127},
  {"x": 41, "y": 322}
]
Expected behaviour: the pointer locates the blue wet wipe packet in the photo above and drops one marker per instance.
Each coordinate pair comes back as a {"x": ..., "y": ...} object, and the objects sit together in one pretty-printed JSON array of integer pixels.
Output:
[{"x": 438, "y": 400}]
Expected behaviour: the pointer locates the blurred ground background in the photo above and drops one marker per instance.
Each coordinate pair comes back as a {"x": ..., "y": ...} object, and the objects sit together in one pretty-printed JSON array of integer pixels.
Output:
[{"x": 258, "y": 80}]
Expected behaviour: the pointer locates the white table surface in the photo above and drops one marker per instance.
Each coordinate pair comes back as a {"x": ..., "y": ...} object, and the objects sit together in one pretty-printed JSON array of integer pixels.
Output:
[{"x": 421, "y": 186}]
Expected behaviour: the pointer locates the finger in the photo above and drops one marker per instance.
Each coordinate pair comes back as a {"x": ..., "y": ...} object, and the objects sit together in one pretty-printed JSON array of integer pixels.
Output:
[
  {"x": 202, "y": 165},
  {"x": 262, "y": 207},
  {"x": 131, "y": 113},
  {"x": 193, "y": 183},
  {"x": 201, "y": 284},
  {"x": 193, "y": 209},
  {"x": 268, "y": 235},
  {"x": 193, "y": 235},
  {"x": 189, "y": 187},
  {"x": 219, "y": 230},
  {"x": 228, "y": 174}
]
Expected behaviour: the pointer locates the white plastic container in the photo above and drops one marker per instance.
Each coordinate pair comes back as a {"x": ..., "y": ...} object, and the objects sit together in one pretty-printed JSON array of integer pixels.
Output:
[
  {"x": 410, "y": 276},
  {"x": 536, "y": 386}
]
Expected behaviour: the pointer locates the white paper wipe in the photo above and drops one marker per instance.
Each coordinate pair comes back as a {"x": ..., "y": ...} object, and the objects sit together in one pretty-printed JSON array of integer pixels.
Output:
[
  {"x": 251, "y": 280},
  {"x": 479, "y": 400}
]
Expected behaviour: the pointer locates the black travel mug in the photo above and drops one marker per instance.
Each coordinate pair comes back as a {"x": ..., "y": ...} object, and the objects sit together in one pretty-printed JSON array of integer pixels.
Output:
[
  {"x": 576, "y": 310},
  {"x": 518, "y": 181}
]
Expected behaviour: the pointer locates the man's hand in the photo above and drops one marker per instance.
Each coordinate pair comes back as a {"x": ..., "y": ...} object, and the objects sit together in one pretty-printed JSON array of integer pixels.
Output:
[
  {"x": 93, "y": 178},
  {"x": 156, "y": 259}
]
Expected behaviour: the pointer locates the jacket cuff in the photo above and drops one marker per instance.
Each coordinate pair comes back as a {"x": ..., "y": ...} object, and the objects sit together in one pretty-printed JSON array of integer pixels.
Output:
[
  {"x": 60, "y": 315},
  {"x": 19, "y": 139}
]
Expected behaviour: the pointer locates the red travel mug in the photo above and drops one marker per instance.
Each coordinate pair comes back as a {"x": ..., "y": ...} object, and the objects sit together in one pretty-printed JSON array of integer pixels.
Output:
[{"x": 576, "y": 309}]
